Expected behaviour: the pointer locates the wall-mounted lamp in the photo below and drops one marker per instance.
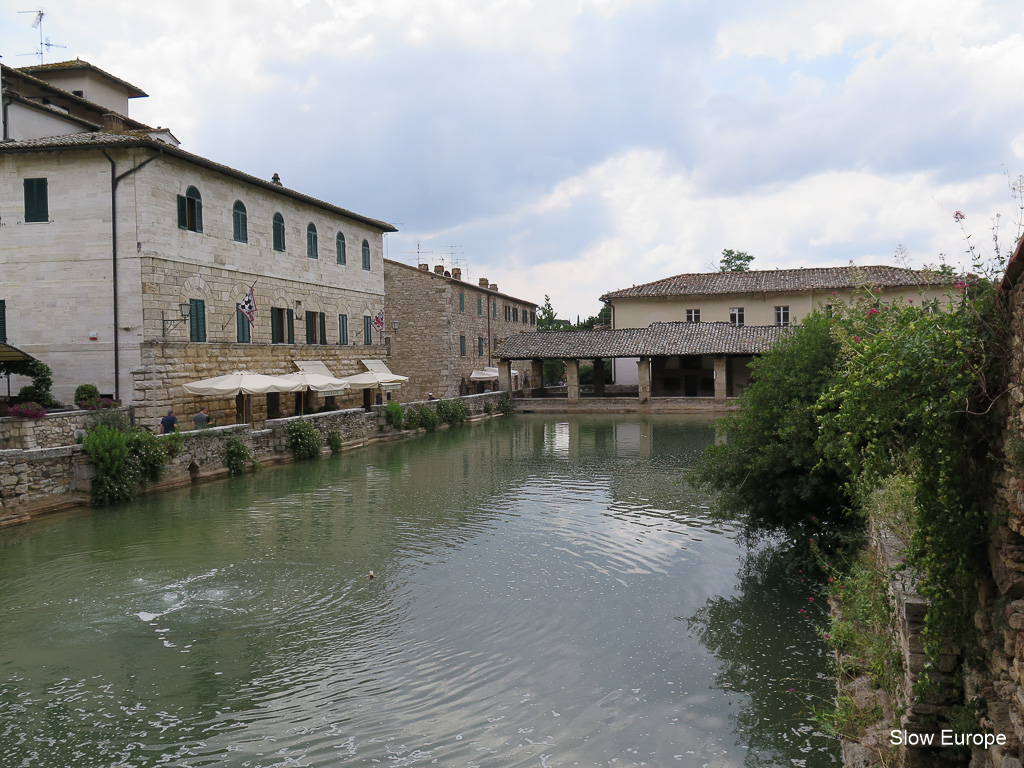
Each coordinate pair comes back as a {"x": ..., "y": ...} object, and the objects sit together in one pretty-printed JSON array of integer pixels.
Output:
[
  {"x": 395, "y": 324},
  {"x": 184, "y": 310}
]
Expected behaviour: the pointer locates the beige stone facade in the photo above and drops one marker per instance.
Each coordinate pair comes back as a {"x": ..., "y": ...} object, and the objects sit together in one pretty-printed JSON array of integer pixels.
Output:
[{"x": 447, "y": 327}]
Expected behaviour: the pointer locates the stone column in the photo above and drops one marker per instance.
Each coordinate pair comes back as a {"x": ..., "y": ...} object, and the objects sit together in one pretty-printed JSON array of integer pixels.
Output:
[
  {"x": 505, "y": 376},
  {"x": 599, "y": 377},
  {"x": 720, "y": 379},
  {"x": 537, "y": 376},
  {"x": 643, "y": 366},
  {"x": 572, "y": 380}
]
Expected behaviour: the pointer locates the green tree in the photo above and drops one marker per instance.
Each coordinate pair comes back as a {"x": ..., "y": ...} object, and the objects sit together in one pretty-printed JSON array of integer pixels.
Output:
[
  {"x": 735, "y": 261},
  {"x": 546, "y": 318}
]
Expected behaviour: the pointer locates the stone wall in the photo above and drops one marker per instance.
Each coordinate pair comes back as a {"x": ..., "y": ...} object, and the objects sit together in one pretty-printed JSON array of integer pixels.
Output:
[
  {"x": 52, "y": 431},
  {"x": 432, "y": 322}
]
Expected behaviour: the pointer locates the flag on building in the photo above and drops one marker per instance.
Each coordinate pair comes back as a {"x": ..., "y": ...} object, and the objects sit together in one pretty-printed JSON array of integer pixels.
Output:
[
  {"x": 378, "y": 321},
  {"x": 248, "y": 306}
]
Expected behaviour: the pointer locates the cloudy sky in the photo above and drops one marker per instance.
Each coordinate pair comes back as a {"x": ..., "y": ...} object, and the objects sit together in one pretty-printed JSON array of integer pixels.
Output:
[{"x": 573, "y": 147}]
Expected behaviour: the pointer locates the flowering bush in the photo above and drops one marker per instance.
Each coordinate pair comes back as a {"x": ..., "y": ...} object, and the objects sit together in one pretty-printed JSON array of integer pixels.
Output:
[
  {"x": 97, "y": 403},
  {"x": 29, "y": 410}
]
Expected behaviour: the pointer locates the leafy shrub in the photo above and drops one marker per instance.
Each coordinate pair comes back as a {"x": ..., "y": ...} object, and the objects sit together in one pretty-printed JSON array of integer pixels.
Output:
[
  {"x": 236, "y": 456},
  {"x": 86, "y": 393},
  {"x": 488, "y": 407},
  {"x": 147, "y": 455},
  {"x": 42, "y": 382},
  {"x": 422, "y": 417},
  {"x": 452, "y": 412},
  {"x": 394, "y": 415},
  {"x": 29, "y": 410},
  {"x": 334, "y": 442},
  {"x": 505, "y": 404},
  {"x": 107, "y": 449},
  {"x": 412, "y": 418},
  {"x": 114, "y": 419},
  {"x": 303, "y": 440}
]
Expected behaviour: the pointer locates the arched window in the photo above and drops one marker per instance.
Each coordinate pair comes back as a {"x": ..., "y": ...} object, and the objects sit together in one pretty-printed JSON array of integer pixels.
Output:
[
  {"x": 311, "y": 251},
  {"x": 278, "y": 232},
  {"x": 190, "y": 210},
  {"x": 241, "y": 225},
  {"x": 341, "y": 248},
  {"x": 366, "y": 255}
]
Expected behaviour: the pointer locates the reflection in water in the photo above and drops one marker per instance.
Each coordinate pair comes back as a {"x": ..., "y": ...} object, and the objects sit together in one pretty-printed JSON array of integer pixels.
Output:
[{"x": 531, "y": 577}]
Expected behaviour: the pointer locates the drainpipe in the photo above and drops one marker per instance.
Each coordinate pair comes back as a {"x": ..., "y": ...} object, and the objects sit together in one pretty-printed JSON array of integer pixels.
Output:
[{"x": 115, "y": 179}]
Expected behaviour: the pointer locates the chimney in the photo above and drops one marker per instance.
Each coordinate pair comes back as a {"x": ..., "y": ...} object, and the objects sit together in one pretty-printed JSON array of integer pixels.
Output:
[
  {"x": 425, "y": 267},
  {"x": 494, "y": 286},
  {"x": 483, "y": 282},
  {"x": 439, "y": 269},
  {"x": 276, "y": 180},
  {"x": 457, "y": 273},
  {"x": 113, "y": 122}
]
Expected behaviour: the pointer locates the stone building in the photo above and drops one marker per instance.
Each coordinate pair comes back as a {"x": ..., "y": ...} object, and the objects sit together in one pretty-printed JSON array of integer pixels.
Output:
[
  {"x": 447, "y": 328},
  {"x": 778, "y": 297},
  {"x": 125, "y": 257}
]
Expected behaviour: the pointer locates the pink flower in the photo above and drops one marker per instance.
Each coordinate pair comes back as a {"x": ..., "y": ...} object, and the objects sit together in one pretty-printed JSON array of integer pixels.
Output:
[
  {"x": 959, "y": 216},
  {"x": 960, "y": 285},
  {"x": 856, "y": 339},
  {"x": 791, "y": 690},
  {"x": 910, "y": 301},
  {"x": 810, "y": 599},
  {"x": 872, "y": 312}
]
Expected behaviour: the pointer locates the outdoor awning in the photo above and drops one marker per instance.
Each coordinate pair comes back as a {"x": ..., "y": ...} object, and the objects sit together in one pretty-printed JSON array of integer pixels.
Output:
[
  {"x": 244, "y": 382},
  {"x": 318, "y": 377},
  {"x": 377, "y": 375},
  {"x": 489, "y": 373},
  {"x": 9, "y": 354}
]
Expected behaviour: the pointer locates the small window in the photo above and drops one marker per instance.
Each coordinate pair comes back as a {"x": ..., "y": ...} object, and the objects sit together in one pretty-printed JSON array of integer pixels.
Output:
[
  {"x": 243, "y": 331},
  {"x": 282, "y": 325},
  {"x": 278, "y": 232},
  {"x": 462, "y": 303},
  {"x": 736, "y": 315},
  {"x": 310, "y": 327},
  {"x": 316, "y": 328},
  {"x": 508, "y": 313},
  {"x": 190, "y": 210},
  {"x": 782, "y": 315},
  {"x": 367, "y": 330},
  {"x": 515, "y": 314},
  {"x": 462, "y": 346},
  {"x": 343, "y": 329},
  {"x": 479, "y": 306},
  {"x": 366, "y": 255},
  {"x": 340, "y": 244},
  {"x": 480, "y": 346},
  {"x": 197, "y": 320},
  {"x": 241, "y": 224},
  {"x": 533, "y": 318},
  {"x": 37, "y": 206},
  {"x": 693, "y": 315},
  {"x": 311, "y": 249}
]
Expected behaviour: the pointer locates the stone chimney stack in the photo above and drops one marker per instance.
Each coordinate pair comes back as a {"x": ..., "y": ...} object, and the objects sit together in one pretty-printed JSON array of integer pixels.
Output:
[
  {"x": 113, "y": 122},
  {"x": 425, "y": 267},
  {"x": 439, "y": 269},
  {"x": 483, "y": 282},
  {"x": 457, "y": 273},
  {"x": 494, "y": 286}
]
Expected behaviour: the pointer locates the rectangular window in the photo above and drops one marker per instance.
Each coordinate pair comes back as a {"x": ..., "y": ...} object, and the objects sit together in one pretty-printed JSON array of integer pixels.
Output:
[
  {"x": 782, "y": 315},
  {"x": 693, "y": 315},
  {"x": 197, "y": 320},
  {"x": 462, "y": 303},
  {"x": 282, "y": 325},
  {"x": 243, "y": 331},
  {"x": 736, "y": 315},
  {"x": 533, "y": 318},
  {"x": 3, "y": 321},
  {"x": 323, "y": 327},
  {"x": 310, "y": 327},
  {"x": 515, "y": 314},
  {"x": 36, "y": 200},
  {"x": 479, "y": 306},
  {"x": 480, "y": 346},
  {"x": 508, "y": 313},
  {"x": 343, "y": 329},
  {"x": 367, "y": 330},
  {"x": 291, "y": 325},
  {"x": 462, "y": 346}
]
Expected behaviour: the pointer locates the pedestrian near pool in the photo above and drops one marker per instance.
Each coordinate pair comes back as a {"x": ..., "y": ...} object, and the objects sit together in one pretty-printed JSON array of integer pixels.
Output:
[
  {"x": 169, "y": 423},
  {"x": 430, "y": 396},
  {"x": 201, "y": 419}
]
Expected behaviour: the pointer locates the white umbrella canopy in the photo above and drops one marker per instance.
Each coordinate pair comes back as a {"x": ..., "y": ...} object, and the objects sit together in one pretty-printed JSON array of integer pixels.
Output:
[
  {"x": 373, "y": 379},
  {"x": 244, "y": 382},
  {"x": 316, "y": 381}
]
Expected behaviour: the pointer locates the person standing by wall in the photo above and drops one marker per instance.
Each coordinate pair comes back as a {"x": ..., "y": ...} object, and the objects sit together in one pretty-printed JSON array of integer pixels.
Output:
[{"x": 169, "y": 423}]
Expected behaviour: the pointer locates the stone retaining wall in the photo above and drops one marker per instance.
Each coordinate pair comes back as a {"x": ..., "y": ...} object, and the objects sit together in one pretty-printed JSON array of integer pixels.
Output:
[{"x": 51, "y": 431}]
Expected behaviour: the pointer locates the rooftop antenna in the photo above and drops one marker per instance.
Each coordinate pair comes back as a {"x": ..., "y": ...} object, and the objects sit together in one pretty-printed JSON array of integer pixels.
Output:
[
  {"x": 37, "y": 23},
  {"x": 420, "y": 253},
  {"x": 452, "y": 253}
]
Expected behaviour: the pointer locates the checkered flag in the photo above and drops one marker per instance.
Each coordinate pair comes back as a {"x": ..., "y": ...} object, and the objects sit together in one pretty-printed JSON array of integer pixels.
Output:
[{"x": 248, "y": 306}]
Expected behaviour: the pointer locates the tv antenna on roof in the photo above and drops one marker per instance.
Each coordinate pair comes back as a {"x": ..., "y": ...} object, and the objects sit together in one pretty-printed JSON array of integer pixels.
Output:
[{"x": 46, "y": 45}]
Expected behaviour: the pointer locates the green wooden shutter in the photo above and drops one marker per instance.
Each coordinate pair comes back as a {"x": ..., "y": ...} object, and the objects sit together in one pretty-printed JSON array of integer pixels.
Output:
[
  {"x": 343, "y": 329},
  {"x": 367, "y": 330},
  {"x": 243, "y": 328},
  {"x": 182, "y": 212},
  {"x": 275, "y": 325},
  {"x": 36, "y": 205},
  {"x": 479, "y": 305},
  {"x": 3, "y": 321},
  {"x": 197, "y": 320},
  {"x": 323, "y": 328},
  {"x": 310, "y": 327},
  {"x": 291, "y": 326},
  {"x": 462, "y": 302}
]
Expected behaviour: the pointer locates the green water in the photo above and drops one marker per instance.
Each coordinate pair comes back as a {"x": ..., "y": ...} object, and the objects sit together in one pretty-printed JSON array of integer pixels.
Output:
[{"x": 546, "y": 592}]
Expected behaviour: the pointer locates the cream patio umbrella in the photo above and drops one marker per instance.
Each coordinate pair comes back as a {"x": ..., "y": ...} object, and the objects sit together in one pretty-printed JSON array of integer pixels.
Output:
[
  {"x": 241, "y": 382},
  {"x": 317, "y": 382}
]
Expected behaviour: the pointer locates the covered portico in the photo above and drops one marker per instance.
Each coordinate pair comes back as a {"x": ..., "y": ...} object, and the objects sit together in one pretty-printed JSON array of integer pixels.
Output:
[{"x": 677, "y": 361}]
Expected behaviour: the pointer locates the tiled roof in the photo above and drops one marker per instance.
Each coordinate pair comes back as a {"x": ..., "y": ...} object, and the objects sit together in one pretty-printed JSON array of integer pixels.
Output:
[
  {"x": 782, "y": 281},
  {"x": 657, "y": 339},
  {"x": 389, "y": 263},
  {"x": 103, "y": 139},
  {"x": 58, "y": 66}
]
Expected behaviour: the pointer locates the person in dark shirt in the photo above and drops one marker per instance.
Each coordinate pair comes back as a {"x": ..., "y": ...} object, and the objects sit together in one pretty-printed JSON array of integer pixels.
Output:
[
  {"x": 201, "y": 419},
  {"x": 169, "y": 423}
]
